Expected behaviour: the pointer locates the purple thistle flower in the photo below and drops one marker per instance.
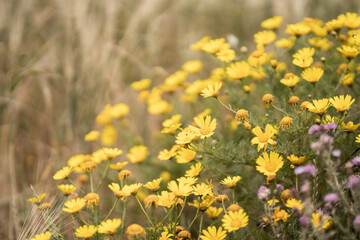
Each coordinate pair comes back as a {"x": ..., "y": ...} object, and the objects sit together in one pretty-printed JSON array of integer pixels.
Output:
[
  {"x": 279, "y": 187},
  {"x": 313, "y": 129},
  {"x": 336, "y": 153},
  {"x": 308, "y": 168},
  {"x": 304, "y": 220},
  {"x": 353, "y": 181},
  {"x": 331, "y": 198},
  {"x": 356, "y": 161},
  {"x": 263, "y": 193},
  {"x": 330, "y": 126}
]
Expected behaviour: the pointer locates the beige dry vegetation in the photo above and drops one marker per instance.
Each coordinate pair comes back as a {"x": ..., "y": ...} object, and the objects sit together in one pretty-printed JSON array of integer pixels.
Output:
[{"x": 61, "y": 61}]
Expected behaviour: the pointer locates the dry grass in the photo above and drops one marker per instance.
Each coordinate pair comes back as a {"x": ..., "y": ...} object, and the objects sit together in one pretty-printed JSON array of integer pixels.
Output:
[{"x": 61, "y": 61}]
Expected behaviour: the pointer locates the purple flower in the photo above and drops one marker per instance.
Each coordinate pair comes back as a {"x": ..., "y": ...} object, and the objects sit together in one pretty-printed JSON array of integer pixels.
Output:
[
  {"x": 331, "y": 198},
  {"x": 356, "y": 223},
  {"x": 336, "y": 153},
  {"x": 308, "y": 168},
  {"x": 356, "y": 161},
  {"x": 313, "y": 129},
  {"x": 353, "y": 181},
  {"x": 279, "y": 187},
  {"x": 330, "y": 126},
  {"x": 304, "y": 220},
  {"x": 263, "y": 193}
]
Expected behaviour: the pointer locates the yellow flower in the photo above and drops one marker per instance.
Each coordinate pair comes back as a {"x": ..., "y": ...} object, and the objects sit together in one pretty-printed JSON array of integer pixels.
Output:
[
  {"x": 42, "y": 236},
  {"x": 74, "y": 205},
  {"x": 186, "y": 136},
  {"x": 109, "y": 226},
  {"x": 104, "y": 117},
  {"x": 92, "y": 136},
  {"x": 350, "y": 127},
  {"x": 320, "y": 221},
  {"x": 172, "y": 124},
  {"x": 348, "y": 79},
  {"x": 109, "y": 135},
  {"x": 264, "y": 37},
  {"x": 213, "y": 212},
  {"x": 351, "y": 20},
  {"x": 272, "y": 202},
  {"x": 293, "y": 203},
  {"x": 38, "y": 199},
  {"x": 297, "y": 29},
  {"x": 226, "y": 55},
  {"x": 335, "y": 24},
  {"x": 242, "y": 114},
  {"x": 296, "y": 160},
  {"x": 319, "y": 106},
  {"x": 212, "y": 90},
  {"x": 187, "y": 180},
  {"x": 67, "y": 189},
  {"x": 180, "y": 190},
  {"x": 285, "y": 42},
  {"x": 166, "y": 236},
  {"x": 235, "y": 220},
  {"x": 349, "y": 51},
  {"x": 166, "y": 154},
  {"x": 202, "y": 190},
  {"x": 213, "y": 234},
  {"x": 238, "y": 70},
  {"x": 111, "y": 153},
  {"x": 124, "y": 174},
  {"x": 286, "y": 122},
  {"x": 206, "y": 202},
  {"x": 269, "y": 165},
  {"x": 195, "y": 170},
  {"x": 137, "y": 153},
  {"x": 192, "y": 66},
  {"x": 263, "y": 138},
  {"x": 206, "y": 126},
  {"x": 151, "y": 200},
  {"x": 135, "y": 230},
  {"x": 312, "y": 74},
  {"x": 290, "y": 80},
  {"x": 153, "y": 185},
  {"x": 294, "y": 100},
  {"x": 272, "y": 23},
  {"x": 322, "y": 43},
  {"x": 342, "y": 103},
  {"x": 63, "y": 173},
  {"x": 214, "y": 46},
  {"x": 231, "y": 181},
  {"x": 141, "y": 85},
  {"x": 92, "y": 199},
  {"x": 119, "y": 110},
  {"x": 86, "y": 231},
  {"x": 185, "y": 155},
  {"x": 280, "y": 215},
  {"x": 167, "y": 199},
  {"x": 118, "y": 166},
  {"x": 303, "y": 57}
]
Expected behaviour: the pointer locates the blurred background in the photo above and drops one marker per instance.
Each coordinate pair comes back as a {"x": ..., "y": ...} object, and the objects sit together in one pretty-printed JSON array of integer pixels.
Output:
[{"x": 61, "y": 61}]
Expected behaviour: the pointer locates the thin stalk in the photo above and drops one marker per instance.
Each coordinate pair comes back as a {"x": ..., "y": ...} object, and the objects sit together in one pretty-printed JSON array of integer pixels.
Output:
[
  {"x": 197, "y": 213},
  {"x": 124, "y": 214},
  {"x": 91, "y": 182},
  {"x": 112, "y": 209},
  {"x": 142, "y": 208},
  {"x": 279, "y": 109},
  {"x": 73, "y": 183},
  {"x": 82, "y": 219},
  {"x": 103, "y": 176},
  {"x": 201, "y": 222},
  {"x": 74, "y": 228},
  {"x": 167, "y": 214},
  {"x": 228, "y": 108}
]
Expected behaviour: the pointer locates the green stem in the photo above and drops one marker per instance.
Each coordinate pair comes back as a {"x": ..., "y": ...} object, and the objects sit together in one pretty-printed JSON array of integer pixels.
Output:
[
  {"x": 73, "y": 222},
  {"x": 124, "y": 213},
  {"x": 279, "y": 109},
  {"x": 233, "y": 195},
  {"x": 91, "y": 182},
  {"x": 142, "y": 208},
  {"x": 103, "y": 176},
  {"x": 167, "y": 214},
  {"x": 76, "y": 185},
  {"x": 201, "y": 222},
  {"x": 112, "y": 209},
  {"x": 228, "y": 108},
  {"x": 197, "y": 213},
  {"x": 82, "y": 219}
]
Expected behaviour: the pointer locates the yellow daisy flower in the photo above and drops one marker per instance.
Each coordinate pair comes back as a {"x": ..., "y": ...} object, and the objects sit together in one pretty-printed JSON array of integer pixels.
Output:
[
  {"x": 151, "y": 200},
  {"x": 264, "y": 37},
  {"x": 238, "y": 70},
  {"x": 293, "y": 203},
  {"x": 86, "y": 231},
  {"x": 172, "y": 124},
  {"x": 335, "y": 24},
  {"x": 280, "y": 215},
  {"x": 321, "y": 221},
  {"x": 124, "y": 174},
  {"x": 67, "y": 189},
  {"x": 166, "y": 236},
  {"x": 119, "y": 110},
  {"x": 167, "y": 199},
  {"x": 153, "y": 185},
  {"x": 286, "y": 122},
  {"x": 348, "y": 79},
  {"x": 272, "y": 202},
  {"x": 351, "y": 20},
  {"x": 135, "y": 230},
  {"x": 118, "y": 166},
  {"x": 42, "y": 236},
  {"x": 226, "y": 55},
  {"x": 235, "y": 220},
  {"x": 180, "y": 190},
  {"x": 231, "y": 181},
  {"x": 269, "y": 165},
  {"x": 213, "y": 234},
  {"x": 350, "y": 127},
  {"x": 297, "y": 29},
  {"x": 92, "y": 199},
  {"x": 212, "y": 90},
  {"x": 195, "y": 170},
  {"x": 202, "y": 189},
  {"x": 214, "y": 46},
  {"x": 312, "y": 74},
  {"x": 137, "y": 154},
  {"x": 272, "y": 23},
  {"x": 109, "y": 226},
  {"x": 185, "y": 155},
  {"x": 267, "y": 99},
  {"x": 304, "y": 57},
  {"x": 111, "y": 153},
  {"x": 63, "y": 173},
  {"x": 290, "y": 80},
  {"x": 38, "y": 199},
  {"x": 98, "y": 156},
  {"x": 263, "y": 138},
  {"x": 186, "y": 136},
  {"x": 141, "y": 85},
  {"x": 241, "y": 114},
  {"x": 296, "y": 160},
  {"x": 167, "y": 154},
  {"x": 319, "y": 106},
  {"x": 206, "y": 202},
  {"x": 192, "y": 66},
  {"x": 206, "y": 126},
  {"x": 187, "y": 180},
  {"x": 285, "y": 43},
  {"x": 342, "y": 103},
  {"x": 74, "y": 205},
  {"x": 349, "y": 51},
  {"x": 92, "y": 136},
  {"x": 214, "y": 212}
]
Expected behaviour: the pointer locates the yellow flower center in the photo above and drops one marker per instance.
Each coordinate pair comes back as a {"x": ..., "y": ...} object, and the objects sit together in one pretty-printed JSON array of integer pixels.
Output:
[
  {"x": 236, "y": 223},
  {"x": 271, "y": 167},
  {"x": 263, "y": 138},
  {"x": 205, "y": 130}
]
